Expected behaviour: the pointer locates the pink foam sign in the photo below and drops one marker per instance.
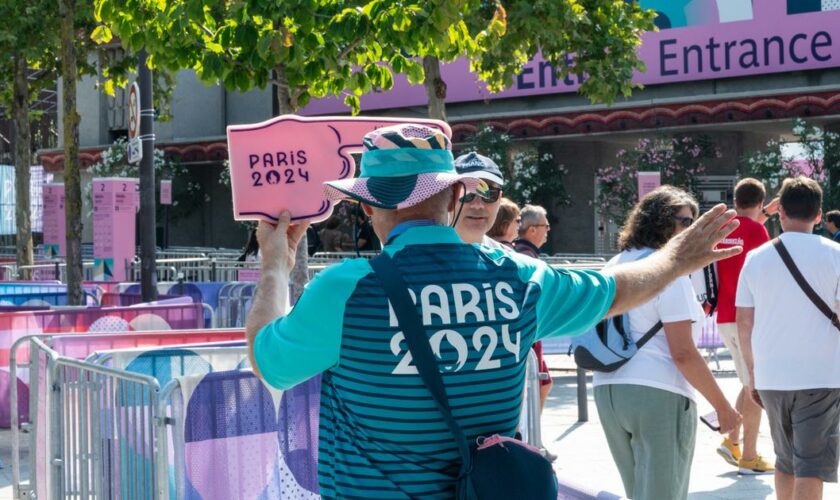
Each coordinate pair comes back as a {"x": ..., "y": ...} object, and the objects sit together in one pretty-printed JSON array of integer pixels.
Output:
[{"x": 281, "y": 164}]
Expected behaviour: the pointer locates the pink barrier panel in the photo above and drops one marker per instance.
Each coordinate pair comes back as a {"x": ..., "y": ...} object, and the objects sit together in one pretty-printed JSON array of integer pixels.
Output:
[
  {"x": 119, "y": 319},
  {"x": 113, "y": 299},
  {"x": 709, "y": 337},
  {"x": 81, "y": 346}
]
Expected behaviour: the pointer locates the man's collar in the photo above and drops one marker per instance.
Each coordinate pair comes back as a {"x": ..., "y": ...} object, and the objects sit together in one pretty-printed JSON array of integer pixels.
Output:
[
  {"x": 526, "y": 242},
  {"x": 421, "y": 234}
]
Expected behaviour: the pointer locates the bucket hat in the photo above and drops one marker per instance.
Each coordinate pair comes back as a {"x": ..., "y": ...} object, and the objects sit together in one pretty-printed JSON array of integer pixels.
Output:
[{"x": 402, "y": 165}]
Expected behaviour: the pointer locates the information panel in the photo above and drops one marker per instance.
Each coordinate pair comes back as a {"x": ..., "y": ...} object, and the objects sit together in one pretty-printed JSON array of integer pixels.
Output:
[
  {"x": 114, "y": 223},
  {"x": 55, "y": 224}
]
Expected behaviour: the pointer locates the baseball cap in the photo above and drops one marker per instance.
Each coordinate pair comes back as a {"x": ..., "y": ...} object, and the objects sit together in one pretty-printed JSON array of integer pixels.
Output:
[{"x": 479, "y": 167}]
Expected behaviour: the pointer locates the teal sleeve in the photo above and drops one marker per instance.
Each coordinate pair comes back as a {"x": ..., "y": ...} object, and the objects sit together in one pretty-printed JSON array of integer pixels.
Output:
[
  {"x": 294, "y": 348},
  {"x": 570, "y": 302}
]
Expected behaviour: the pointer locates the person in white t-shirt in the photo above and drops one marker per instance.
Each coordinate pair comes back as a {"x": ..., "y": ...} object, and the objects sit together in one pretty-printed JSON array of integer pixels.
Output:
[
  {"x": 791, "y": 348},
  {"x": 647, "y": 407}
]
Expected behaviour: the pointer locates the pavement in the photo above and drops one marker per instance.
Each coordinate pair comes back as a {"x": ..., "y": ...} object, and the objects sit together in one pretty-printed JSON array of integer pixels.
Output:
[{"x": 582, "y": 452}]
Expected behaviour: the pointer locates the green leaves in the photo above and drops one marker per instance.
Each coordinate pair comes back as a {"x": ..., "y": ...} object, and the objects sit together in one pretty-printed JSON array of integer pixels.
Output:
[{"x": 101, "y": 34}]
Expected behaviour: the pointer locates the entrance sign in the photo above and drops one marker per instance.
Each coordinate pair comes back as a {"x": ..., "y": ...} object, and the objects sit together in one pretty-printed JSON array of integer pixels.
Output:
[
  {"x": 281, "y": 164},
  {"x": 114, "y": 212},
  {"x": 55, "y": 224},
  {"x": 648, "y": 181},
  {"x": 698, "y": 40},
  {"x": 135, "y": 144}
]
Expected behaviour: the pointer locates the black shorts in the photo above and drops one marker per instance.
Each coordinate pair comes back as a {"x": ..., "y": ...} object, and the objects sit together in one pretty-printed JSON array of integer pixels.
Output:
[{"x": 804, "y": 425}]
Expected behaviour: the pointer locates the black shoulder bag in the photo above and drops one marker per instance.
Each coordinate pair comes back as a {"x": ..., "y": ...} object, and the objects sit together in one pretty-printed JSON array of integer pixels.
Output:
[
  {"x": 494, "y": 467},
  {"x": 830, "y": 313}
]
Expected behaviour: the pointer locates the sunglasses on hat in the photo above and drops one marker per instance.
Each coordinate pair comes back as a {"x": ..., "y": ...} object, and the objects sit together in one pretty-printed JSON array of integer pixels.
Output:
[{"x": 490, "y": 195}]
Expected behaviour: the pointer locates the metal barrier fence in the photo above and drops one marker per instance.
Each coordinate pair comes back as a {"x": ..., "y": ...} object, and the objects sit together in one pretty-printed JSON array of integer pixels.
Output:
[
  {"x": 104, "y": 433},
  {"x": 234, "y": 299},
  {"x": 95, "y": 424},
  {"x": 95, "y": 438}
]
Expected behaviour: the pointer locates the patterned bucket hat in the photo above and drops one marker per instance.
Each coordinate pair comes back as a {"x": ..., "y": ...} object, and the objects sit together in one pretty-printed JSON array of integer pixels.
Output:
[{"x": 402, "y": 165}]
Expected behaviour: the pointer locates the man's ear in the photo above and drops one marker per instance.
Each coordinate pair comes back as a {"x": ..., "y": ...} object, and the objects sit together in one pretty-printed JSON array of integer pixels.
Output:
[
  {"x": 366, "y": 209},
  {"x": 457, "y": 189},
  {"x": 819, "y": 217}
]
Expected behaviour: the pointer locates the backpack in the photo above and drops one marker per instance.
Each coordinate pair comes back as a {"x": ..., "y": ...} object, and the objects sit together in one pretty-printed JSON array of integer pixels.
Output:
[{"x": 609, "y": 345}]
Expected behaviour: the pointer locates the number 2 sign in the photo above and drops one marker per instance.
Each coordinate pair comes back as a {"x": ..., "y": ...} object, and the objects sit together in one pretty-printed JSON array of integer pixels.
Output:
[{"x": 281, "y": 164}]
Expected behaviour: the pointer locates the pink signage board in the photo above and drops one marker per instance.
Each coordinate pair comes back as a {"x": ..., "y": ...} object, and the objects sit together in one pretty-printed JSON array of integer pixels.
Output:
[
  {"x": 166, "y": 192},
  {"x": 55, "y": 224},
  {"x": 698, "y": 40},
  {"x": 648, "y": 181},
  {"x": 114, "y": 212},
  {"x": 248, "y": 275},
  {"x": 281, "y": 164}
]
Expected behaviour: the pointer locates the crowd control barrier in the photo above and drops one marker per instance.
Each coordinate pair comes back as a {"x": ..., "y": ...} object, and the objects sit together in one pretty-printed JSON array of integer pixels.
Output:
[
  {"x": 104, "y": 432},
  {"x": 43, "y": 347},
  {"x": 152, "y": 318}
]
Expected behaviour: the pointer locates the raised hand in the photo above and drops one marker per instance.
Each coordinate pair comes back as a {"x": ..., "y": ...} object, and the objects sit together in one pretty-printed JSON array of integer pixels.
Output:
[
  {"x": 278, "y": 243},
  {"x": 696, "y": 247}
]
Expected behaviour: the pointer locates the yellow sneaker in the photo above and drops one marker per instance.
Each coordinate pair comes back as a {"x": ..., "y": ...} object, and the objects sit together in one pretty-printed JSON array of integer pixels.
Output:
[
  {"x": 755, "y": 466},
  {"x": 730, "y": 452}
]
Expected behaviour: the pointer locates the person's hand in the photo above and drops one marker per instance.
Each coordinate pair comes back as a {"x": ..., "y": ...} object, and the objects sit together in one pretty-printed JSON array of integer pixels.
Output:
[
  {"x": 278, "y": 243},
  {"x": 695, "y": 247},
  {"x": 728, "y": 419}
]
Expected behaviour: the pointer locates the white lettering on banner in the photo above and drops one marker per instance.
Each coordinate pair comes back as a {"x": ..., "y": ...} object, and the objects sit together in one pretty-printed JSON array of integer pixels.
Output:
[{"x": 732, "y": 241}]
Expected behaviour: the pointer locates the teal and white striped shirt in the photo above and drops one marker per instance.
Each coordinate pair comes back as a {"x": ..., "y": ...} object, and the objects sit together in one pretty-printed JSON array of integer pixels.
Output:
[{"x": 381, "y": 435}]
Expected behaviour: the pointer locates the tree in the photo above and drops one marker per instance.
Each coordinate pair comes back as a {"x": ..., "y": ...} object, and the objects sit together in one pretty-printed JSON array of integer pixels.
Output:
[
  {"x": 680, "y": 160},
  {"x": 593, "y": 40},
  {"x": 818, "y": 156},
  {"x": 28, "y": 47},
  {"x": 303, "y": 48}
]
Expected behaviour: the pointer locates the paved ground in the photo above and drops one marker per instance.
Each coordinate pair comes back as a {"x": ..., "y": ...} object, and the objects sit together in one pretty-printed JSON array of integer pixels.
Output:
[
  {"x": 583, "y": 453},
  {"x": 582, "y": 449}
]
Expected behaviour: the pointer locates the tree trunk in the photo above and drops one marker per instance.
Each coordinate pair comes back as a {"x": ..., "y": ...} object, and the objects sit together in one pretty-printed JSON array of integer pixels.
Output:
[
  {"x": 435, "y": 88},
  {"x": 72, "y": 178},
  {"x": 300, "y": 273},
  {"x": 23, "y": 160}
]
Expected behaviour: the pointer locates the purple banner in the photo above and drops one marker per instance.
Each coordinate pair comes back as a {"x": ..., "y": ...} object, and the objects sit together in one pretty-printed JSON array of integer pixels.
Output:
[{"x": 698, "y": 40}]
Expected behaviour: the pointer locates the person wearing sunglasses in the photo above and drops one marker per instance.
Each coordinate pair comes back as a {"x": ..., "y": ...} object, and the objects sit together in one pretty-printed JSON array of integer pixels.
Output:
[
  {"x": 479, "y": 208},
  {"x": 533, "y": 231},
  {"x": 648, "y": 407}
]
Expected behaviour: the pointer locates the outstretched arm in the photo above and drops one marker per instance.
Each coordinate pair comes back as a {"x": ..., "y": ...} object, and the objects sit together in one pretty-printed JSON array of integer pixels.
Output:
[{"x": 638, "y": 282}]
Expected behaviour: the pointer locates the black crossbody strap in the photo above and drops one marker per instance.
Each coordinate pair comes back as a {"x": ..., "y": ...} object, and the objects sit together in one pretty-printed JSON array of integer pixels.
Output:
[
  {"x": 649, "y": 335},
  {"x": 418, "y": 344},
  {"x": 803, "y": 284}
]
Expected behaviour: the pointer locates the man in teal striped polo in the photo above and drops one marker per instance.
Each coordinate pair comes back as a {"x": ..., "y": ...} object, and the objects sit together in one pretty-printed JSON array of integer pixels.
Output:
[{"x": 381, "y": 435}]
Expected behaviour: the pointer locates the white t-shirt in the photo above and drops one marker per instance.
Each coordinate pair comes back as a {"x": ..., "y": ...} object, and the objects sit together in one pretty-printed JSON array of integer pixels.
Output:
[
  {"x": 794, "y": 345},
  {"x": 653, "y": 365},
  {"x": 490, "y": 242}
]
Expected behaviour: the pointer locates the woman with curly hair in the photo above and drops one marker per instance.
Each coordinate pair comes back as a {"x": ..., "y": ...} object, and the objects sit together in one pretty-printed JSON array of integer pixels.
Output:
[{"x": 648, "y": 406}]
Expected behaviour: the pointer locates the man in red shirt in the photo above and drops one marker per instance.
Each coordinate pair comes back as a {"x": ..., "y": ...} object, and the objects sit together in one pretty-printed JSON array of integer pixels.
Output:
[{"x": 751, "y": 234}]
